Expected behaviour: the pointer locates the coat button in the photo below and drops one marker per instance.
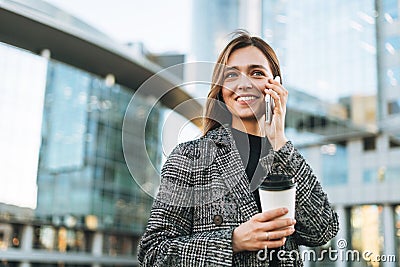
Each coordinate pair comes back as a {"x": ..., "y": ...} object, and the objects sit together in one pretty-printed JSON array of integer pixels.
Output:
[{"x": 218, "y": 220}]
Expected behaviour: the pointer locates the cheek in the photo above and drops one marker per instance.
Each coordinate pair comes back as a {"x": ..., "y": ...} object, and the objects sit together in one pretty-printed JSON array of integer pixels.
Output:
[
  {"x": 226, "y": 94},
  {"x": 260, "y": 85}
]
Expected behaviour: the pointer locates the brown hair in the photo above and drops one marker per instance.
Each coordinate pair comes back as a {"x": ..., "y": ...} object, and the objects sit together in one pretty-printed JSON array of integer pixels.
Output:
[{"x": 216, "y": 113}]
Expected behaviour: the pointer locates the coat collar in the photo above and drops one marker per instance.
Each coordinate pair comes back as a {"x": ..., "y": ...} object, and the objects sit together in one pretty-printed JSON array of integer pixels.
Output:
[
  {"x": 234, "y": 177},
  {"x": 221, "y": 135}
]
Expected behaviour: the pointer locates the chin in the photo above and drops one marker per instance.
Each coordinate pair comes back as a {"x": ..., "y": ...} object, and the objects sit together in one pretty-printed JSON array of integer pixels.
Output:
[{"x": 246, "y": 117}]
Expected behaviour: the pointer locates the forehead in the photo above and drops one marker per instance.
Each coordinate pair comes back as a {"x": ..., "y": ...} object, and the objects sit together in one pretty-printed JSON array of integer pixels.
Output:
[{"x": 247, "y": 56}]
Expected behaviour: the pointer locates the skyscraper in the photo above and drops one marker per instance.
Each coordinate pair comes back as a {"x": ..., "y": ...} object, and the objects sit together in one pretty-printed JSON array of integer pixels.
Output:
[
  {"x": 327, "y": 48},
  {"x": 348, "y": 53}
]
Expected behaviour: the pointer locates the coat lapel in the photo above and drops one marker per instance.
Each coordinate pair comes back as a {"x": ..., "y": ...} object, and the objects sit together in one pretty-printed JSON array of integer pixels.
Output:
[{"x": 232, "y": 171}]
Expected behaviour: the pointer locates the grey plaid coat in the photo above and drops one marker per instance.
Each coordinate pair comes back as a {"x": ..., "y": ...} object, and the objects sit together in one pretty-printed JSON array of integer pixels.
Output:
[{"x": 205, "y": 194}]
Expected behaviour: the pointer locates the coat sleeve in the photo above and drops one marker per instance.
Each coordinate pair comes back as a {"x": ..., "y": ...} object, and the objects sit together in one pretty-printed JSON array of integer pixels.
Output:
[
  {"x": 168, "y": 239},
  {"x": 316, "y": 221}
]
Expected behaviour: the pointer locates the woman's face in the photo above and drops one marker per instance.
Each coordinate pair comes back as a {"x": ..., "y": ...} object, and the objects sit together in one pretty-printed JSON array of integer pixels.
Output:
[{"x": 245, "y": 78}]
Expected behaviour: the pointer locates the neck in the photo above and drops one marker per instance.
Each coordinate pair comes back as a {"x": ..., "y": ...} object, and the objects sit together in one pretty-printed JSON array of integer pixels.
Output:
[{"x": 253, "y": 127}]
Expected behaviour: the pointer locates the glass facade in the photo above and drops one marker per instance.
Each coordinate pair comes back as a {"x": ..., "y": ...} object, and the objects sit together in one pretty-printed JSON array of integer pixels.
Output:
[
  {"x": 82, "y": 168},
  {"x": 390, "y": 9},
  {"x": 65, "y": 125},
  {"x": 329, "y": 54},
  {"x": 389, "y": 48},
  {"x": 340, "y": 63},
  {"x": 212, "y": 22}
]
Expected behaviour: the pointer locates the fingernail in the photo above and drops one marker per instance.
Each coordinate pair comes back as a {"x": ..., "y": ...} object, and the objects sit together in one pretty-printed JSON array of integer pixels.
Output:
[
  {"x": 293, "y": 221},
  {"x": 278, "y": 79},
  {"x": 285, "y": 210}
]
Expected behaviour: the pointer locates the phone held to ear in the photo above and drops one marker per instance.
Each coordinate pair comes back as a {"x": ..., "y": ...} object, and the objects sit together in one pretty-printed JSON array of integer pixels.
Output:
[{"x": 269, "y": 104}]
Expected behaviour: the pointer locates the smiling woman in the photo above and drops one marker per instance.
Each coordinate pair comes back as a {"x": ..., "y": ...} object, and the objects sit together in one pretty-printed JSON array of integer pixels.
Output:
[
  {"x": 246, "y": 104},
  {"x": 208, "y": 211}
]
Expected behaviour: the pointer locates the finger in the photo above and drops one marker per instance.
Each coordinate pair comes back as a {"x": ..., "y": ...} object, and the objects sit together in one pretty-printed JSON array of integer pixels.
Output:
[
  {"x": 275, "y": 243},
  {"x": 278, "y": 224},
  {"x": 270, "y": 215},
  {"x": 275, "y": 235},
  {"x": 276, "y": 86},
  {"x": 272, "y": 93},
  {"x": 282, "y": 93}
]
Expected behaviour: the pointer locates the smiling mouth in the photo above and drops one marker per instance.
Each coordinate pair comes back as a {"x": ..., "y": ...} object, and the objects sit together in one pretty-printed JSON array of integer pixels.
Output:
[{"x": 246, "y": 98}]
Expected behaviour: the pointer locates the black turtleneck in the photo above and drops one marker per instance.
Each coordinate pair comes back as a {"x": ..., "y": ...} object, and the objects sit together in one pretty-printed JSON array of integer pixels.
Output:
[{"x": 251, "y": 149}]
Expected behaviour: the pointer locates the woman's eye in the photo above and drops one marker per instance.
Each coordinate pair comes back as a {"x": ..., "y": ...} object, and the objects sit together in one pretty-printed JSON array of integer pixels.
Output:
[
  {"x": 230, "y": 75},
  {"x": 258, "y": 73}
]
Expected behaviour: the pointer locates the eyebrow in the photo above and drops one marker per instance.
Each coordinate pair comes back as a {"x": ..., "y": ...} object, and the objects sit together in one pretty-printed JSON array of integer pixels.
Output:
[{"x": 251, "y": 66}]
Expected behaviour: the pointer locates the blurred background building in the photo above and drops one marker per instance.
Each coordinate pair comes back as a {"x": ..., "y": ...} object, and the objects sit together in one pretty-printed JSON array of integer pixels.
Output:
[
  {"x": 67, "y": 86},
  {"x": 340, "y": 63},
  {"x": 68, "y": 197}
]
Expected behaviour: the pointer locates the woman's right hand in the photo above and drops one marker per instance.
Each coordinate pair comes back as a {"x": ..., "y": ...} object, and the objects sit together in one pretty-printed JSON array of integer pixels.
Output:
[{"x": 263, "y": 230}]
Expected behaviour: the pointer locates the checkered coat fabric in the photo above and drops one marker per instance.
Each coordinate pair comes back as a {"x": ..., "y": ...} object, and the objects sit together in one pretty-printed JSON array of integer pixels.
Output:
[{"x": 205, "y": 194}]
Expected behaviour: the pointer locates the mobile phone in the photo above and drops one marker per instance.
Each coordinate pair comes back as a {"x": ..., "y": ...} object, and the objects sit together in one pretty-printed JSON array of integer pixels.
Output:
[{"x": 269, "y": 104}]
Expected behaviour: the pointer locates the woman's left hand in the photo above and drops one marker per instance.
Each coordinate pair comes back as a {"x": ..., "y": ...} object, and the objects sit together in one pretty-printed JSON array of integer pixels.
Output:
[{"x": 275, "y": 131}]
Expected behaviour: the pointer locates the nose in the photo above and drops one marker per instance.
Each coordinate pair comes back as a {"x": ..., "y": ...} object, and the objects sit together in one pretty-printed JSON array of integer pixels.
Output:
[{"x": 244, "y": 82}]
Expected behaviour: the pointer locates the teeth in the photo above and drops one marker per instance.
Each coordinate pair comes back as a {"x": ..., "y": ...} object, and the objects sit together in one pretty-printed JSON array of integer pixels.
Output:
[{"x": 246, "y": 98}]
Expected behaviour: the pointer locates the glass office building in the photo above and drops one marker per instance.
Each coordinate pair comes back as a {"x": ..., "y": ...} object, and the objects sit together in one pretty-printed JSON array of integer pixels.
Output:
[
  {"x": 346, "y": 54},
  {"x": 82, "y": 172},
  {"x": 67, "y": 196},
  {"x": 212, "y": 22},
  {"x": 327, "y": 48},
  {"x": 87, "y": 144},
  {"x": 84, "y": 186}
]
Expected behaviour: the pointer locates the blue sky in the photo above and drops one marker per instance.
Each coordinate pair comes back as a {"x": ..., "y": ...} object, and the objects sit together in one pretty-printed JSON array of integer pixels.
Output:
[{"x": 163, "y": 26}]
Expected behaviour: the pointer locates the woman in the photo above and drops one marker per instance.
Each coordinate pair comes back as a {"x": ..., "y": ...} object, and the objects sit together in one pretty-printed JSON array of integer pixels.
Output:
[{"x": 207, "y": 211}]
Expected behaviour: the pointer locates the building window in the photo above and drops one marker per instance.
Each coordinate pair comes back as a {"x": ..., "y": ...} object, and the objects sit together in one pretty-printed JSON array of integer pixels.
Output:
[
  {"x": 334, "y": 164},
  {"x": 10, "y": 236},
  {"x": 369, "y": 143},
  {"x": 394, "y": 107},
  {"x": 366, "y": 223},
  {"x": 72, "y": 240},
  {"x": 118, "y": 245},
  {"x": 370, "y": 176},
  {"x": 394, "y": 141},
  {"x": 390, "y": 10},
  {"x": 392, "y": 78},
  {"x": 61, "y": 239},
  {"x": 392, "y": 173},
  {"x": 44, "y": 237},
  {"x": 392, "y": 44}
]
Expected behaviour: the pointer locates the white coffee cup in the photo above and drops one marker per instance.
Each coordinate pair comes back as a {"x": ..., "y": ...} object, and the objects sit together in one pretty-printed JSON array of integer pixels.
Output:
[{"x": 278, "y": 191}]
